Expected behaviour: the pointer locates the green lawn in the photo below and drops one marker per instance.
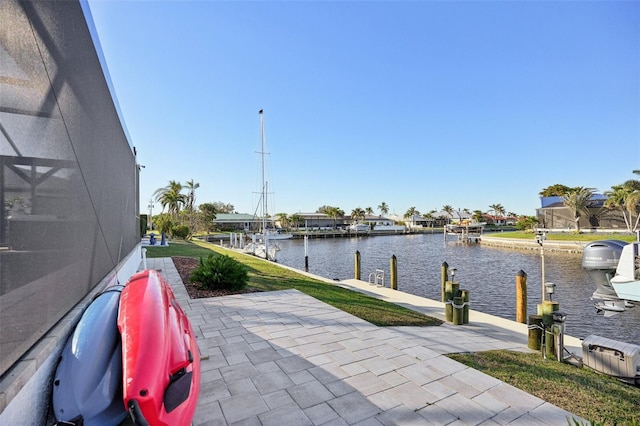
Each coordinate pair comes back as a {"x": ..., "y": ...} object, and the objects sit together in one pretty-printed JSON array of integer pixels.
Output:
[
  {"x": 564, "y": 236},
  {"x": 269, "y": 276}
]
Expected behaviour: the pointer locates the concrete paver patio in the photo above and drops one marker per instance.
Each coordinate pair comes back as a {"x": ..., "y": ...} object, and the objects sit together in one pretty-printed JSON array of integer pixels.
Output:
[{"x": 285, "y": 358}]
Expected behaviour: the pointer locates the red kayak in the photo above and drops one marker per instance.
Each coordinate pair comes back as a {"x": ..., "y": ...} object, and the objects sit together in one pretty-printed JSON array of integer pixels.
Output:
[{"x": 160, "y": 359}]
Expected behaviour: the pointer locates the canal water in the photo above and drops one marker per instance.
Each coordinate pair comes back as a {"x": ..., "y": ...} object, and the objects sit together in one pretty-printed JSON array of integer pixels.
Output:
[{"x": 489, "y": 273}]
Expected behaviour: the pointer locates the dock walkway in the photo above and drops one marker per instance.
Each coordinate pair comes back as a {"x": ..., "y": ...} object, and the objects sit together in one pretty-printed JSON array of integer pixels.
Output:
[{"x": 285, "y": 358}]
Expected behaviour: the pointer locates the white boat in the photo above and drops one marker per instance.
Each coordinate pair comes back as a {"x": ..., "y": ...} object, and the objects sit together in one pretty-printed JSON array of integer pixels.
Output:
[
  {"x": 263, "y": 242},
  {"x": 465, "y": 230},
  {"x": 465, "y": 227},
  {"x": 626, "y": 282},
  {"x": 389, "y": 228},
  {"x": 277, "y": 234},
  {"x": 359, "y": 228},
  {"x": 260, "y": 249}
]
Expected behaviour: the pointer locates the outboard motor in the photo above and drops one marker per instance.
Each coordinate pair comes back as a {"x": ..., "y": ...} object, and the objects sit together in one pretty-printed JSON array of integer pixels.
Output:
[{"x": 599, "y": 260}]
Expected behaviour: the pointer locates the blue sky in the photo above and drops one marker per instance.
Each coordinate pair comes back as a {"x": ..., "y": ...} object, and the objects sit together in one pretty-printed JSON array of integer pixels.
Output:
[{"x": 417, "y": 104}]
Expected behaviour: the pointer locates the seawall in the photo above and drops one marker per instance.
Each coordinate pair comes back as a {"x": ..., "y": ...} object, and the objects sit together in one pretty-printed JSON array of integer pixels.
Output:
[{"x": 520, "y": 244}]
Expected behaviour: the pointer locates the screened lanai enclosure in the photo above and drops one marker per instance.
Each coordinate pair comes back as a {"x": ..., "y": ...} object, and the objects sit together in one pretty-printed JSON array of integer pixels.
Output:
[{"x": 68, "y": 173}]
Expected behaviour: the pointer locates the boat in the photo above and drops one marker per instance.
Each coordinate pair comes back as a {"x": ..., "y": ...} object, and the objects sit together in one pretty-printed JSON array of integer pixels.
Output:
[
  {"x": 626, "y": 282},
  {"x": 160, "y": 357},
  {"x": 359, "y": 228},
  {"x": 262, "y": 243},
  {"x": 87, "y": 383},
  {"x": 258, "y": 247},
  {"x": 614, "y": 268},
  {"x": 278, "y": 234},
  {"x": 389, "y": 228},
  {"x": 465, "y": 230}
]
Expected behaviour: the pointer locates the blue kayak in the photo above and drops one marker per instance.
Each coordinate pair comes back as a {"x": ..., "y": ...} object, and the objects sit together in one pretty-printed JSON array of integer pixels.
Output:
[{"x": 87, "y": 386}]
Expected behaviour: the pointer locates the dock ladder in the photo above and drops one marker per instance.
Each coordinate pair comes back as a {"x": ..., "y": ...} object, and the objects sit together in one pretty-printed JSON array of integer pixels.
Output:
[{"x": 377, "y": 278}]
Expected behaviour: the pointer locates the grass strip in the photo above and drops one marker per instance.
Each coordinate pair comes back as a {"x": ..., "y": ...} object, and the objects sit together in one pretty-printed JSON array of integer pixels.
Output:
[
  {"x": 563, "y": 236},
  {"x": 268, "y": 276},
  {"x": 601, "y": 399}
]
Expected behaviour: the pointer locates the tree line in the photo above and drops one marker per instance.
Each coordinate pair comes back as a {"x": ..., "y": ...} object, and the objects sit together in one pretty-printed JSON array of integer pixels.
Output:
[
  {"x": 623, "y": 198},
  {"x": 182, "y": 218}
]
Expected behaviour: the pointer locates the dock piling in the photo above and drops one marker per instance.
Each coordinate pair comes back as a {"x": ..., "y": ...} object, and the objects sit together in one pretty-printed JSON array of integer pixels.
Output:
[
  {"x": 521, "y": 297},
  {"x": 444, "y": 272},
  {"x": 393, "y": 272}
]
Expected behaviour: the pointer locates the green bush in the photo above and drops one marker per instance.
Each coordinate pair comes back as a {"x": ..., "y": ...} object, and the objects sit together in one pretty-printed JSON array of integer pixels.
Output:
[
  {"x": 220, "y": 272},
  {"x": 180, "y": 231},
  {"x": 143, "y": 225}
]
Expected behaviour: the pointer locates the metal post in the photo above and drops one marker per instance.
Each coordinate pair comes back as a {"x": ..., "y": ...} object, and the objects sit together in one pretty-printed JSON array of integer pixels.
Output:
[{"x": 306, "y": 253}]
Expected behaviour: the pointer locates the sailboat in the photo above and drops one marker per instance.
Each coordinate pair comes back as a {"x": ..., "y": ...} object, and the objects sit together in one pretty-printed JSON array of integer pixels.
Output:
[{"x": 263, "y": 242}]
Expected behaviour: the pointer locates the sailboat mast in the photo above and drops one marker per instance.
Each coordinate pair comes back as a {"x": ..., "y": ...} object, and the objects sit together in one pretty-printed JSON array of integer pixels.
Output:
[{"x": 264, "y": 189}]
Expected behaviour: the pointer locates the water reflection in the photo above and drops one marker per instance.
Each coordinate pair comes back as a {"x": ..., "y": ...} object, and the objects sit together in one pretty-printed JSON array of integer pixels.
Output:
[{"x": 489, "y": 273}]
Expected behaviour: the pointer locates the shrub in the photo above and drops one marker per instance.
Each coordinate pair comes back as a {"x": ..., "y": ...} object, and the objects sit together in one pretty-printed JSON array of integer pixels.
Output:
[
  {"x": 180, "y": 231},
  {"x": 220, "y": 272},
  {"x": 143, "y": 225}
]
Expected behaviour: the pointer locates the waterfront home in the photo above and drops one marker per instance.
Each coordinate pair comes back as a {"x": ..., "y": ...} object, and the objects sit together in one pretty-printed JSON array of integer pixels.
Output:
[
  {"x": 553, "y": 214},
  {"x": 320, "y": 221},
  {"x": 239, "y": 222}
]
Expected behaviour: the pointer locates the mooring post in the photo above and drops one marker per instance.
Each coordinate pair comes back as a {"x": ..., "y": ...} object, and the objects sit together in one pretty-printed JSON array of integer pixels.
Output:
[
  {"x": 465, "y": 309},
  {"x": 457, "y": 317},
  {"x": 444, "y": 278},
  {"x": 546, "y": 309},
  {"x": 521, "y": 297},
  {"x": 451, "y": 292},
  {"x": 306, "y": 253},
  {"x": 357, "y": 265},
  {"x": 393, "y": 268},
  {"x": 535, "y": 327}
]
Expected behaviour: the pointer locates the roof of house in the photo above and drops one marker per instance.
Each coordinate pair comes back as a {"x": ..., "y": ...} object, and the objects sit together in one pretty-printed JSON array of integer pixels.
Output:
[
  {"x": 313, "y": 215},
  {"x": 235, "y": 217}
]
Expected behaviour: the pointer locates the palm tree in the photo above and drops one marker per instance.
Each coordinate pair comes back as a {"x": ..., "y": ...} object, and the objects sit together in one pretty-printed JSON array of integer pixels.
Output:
[
  {"x": 428, "y": 217},
  {"x": 334, "y": 213},
  {"x": 411, "y": 213},
  {"x": 357, "y": 214},
  {"x": 497, "y": 209},
  {"x": 577, "y": 201},
  {"x": 626, "y": 198},
  {"x": 477, "y": 215},
  {"x": 295, "y": 219},
  {"x": 191, "y": 195},
  {"x": 190, "y": 200},
  {"x": 369, "y": 211},
  {"x": 384, "y": 208},
  {"x": 170, "y": 197},
  {"x": 284, "y": 220},
  {"x": 449, "y": 210}
]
